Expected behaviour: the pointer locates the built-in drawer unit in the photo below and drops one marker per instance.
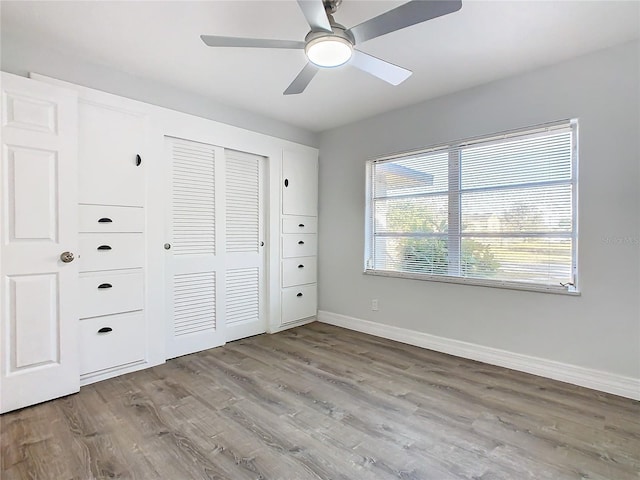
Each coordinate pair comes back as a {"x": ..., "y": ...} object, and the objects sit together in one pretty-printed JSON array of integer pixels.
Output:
[
  {"x": 299, "y": 271},
  {"x": 111, "y": 341},
  {"x": 296, "y": 224},
  {"x": 104, "y": 293},
  {"x": 304, "y": 245},
  {"x": 111, "y": 251},
  {"x": 105, "y": 218},
  {"x": 299, "y": 302}
]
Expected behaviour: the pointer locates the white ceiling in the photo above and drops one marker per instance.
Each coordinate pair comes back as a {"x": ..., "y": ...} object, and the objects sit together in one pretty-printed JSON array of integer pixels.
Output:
[{"x": 482, "y": 42}]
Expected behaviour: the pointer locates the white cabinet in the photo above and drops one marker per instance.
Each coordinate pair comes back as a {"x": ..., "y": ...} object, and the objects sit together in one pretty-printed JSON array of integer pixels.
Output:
[
  {"x": 299, "y": 184},
  {"x": 112, "y": 154},
  {"x": 112, "y": 146},
  {"x": 299, "y": 242}
]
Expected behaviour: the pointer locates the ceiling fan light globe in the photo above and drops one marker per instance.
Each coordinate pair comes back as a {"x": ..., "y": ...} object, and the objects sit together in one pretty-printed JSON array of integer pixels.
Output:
[{"x": 330, "y": 51}]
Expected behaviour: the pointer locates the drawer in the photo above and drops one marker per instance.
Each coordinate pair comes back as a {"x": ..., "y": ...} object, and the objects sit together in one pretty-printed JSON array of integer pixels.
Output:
[
  {"x": 104, "y": 293},
  {"x": 305, "y": 245},
  {"x": 299, "y": 302},
  {"x": 123, "y": 344},
  {"x": 298, "y": 271},
  {"x": 291, "y": 224},
  {"x": 111, "y": 251},
  {"x": 104, "y": 218}
]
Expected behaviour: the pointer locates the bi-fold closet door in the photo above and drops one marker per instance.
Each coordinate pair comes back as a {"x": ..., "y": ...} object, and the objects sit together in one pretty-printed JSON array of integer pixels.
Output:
[{"x": 215, "y": 278}]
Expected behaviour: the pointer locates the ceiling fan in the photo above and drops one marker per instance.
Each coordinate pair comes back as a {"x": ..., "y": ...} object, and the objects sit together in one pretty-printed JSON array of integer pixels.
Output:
[{"x": 330, "y": 44}]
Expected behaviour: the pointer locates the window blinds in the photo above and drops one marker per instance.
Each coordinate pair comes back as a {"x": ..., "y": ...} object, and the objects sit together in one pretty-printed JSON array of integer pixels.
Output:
[{"x": 498, "y": 210}]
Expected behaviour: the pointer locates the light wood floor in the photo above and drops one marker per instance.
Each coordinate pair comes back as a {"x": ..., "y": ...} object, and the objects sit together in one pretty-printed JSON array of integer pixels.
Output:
[{"x": 320, "y": 402}]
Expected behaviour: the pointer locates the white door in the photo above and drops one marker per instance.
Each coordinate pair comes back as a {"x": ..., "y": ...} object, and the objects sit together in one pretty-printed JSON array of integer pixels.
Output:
[
  {"x": 194, "y": 269},
  {"x": 244, "y": 240},
  {"x": 39, "y": 214}
]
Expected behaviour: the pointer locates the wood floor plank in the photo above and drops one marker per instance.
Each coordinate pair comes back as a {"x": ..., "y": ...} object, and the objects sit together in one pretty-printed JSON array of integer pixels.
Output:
[{"x": 320, "y": 402}]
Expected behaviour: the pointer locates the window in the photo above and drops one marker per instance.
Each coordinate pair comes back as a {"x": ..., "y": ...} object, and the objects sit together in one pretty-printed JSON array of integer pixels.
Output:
[{"x": 494, "y": 211}]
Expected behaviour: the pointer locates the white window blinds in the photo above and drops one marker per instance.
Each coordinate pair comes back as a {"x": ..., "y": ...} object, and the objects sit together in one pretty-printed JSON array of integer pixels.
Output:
[{"x": 498, "y": 211}]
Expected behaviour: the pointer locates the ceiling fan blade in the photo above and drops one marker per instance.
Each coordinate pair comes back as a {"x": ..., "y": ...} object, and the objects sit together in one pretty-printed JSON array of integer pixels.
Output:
[
  {"x": 313, "y": 11},
  {"x": 302, "y": 80},
  {"x": 216, "y": 41},
  {"x": 410, "y": 13},
  {"x": 386, "y": 71}
]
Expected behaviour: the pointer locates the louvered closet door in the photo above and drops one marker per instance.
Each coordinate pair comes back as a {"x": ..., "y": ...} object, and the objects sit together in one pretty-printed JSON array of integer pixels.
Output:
[
  {"x": 243, "y": 239},
  {"x": 194, "y": 264}
]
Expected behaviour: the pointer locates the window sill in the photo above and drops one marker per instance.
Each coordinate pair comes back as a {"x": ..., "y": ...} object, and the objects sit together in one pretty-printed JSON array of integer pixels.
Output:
[{"x": 475, "y": 282}]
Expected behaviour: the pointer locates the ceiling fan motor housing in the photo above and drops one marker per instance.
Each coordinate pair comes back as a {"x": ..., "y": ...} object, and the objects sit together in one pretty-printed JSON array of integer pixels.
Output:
[{"x": 338, "y": 31}]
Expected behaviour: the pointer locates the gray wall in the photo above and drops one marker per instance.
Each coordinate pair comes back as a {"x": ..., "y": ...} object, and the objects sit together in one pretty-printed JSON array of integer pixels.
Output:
[
  {"x": 598, "y": 330},
  {"x": 21, "y": 56}
]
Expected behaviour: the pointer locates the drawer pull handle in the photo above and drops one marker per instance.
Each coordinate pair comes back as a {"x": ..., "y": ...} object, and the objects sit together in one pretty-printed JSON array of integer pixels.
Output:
[
  {"x": 105, "y": 285},
  {"x": 301, "y": 225},
  {"x": 138, "y": 160},
  {"x": 105, "y": 330},
  {"x": 104, "y": 247},
  {"x": 300, "y": 266},
  {"x": 299, "y": 295},
  {"x": 286, "y": 182},
  {"x": 105, "y": 220},
  {"x": 300, "y": 242}
]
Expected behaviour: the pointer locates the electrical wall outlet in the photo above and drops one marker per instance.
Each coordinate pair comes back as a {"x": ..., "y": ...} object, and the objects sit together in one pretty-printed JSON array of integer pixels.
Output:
[{"x": 374, "y": 304}]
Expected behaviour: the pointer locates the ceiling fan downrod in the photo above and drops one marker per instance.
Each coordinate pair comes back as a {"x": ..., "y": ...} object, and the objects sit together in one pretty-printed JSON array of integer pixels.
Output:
[{"x": 331, "y": 6}]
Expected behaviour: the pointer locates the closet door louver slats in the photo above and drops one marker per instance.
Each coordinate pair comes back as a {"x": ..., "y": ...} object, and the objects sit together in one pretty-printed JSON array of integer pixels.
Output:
[
  {"x": 194, "y": 303},
  {"x": 242, "y": 197},
  {"x": 193, "y": 198},
  {"x": 242, "y": 289}
]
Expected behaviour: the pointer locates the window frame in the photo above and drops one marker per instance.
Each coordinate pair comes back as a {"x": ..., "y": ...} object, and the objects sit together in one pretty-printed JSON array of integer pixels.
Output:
[{"x": 453, "y": 209}]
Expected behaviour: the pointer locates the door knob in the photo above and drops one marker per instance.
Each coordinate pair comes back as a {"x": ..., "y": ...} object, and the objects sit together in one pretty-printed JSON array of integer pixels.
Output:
[
  {"x": 167, "y": 246},
  {"x": 66, "y": 257}
]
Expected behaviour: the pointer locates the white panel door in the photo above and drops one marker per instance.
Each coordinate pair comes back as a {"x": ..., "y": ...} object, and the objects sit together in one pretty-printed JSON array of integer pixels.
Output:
[
  {"x": 194, "y": 269},
  {"x": 39, "y": 322},
  {"x": 244, "y": 242},
  {"x": 299, "y": 183}
]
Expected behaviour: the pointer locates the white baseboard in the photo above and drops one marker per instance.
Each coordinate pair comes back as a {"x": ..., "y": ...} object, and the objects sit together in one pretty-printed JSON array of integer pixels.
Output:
[{"x": 598, "y": 380}]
